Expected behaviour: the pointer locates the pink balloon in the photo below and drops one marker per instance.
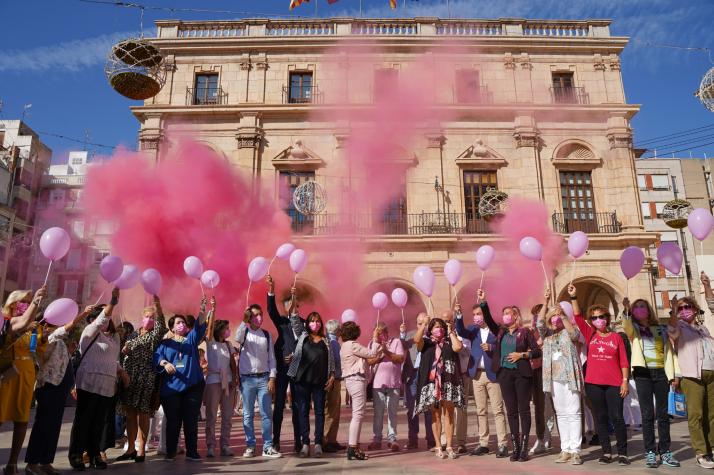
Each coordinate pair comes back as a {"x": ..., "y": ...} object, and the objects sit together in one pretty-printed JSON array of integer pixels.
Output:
[
  {"x": 54, "y": 243},
  {"x": 424, "y": 280},
  {"x": 284, "y": 251},
  {"x": 578, "y": 244},
  {"x": 61, "y": 312},
  {"x": 568, "y": 309},
  {"x": 258, "y": 268},
  {"x": 531, "y": 248},
  {"x": 700, "y": 222},
  {"x": 111, "y": 268},
  {"x": 399, "y": 297},
  {"x": 631, "y": 261},
  {"x": 151, "y": 281},
  {"x": 485, "y": 256},
  {"x": 298, "y": 260},
  {"x": 193, "y": 267},
  {"x": 129, "y": 277},
  {"x": 210, "y": 279},
  {"x": 380, "y": 301},
  {"x": 670, "y": 256},
  {"x": 349, "y": 315},
  {"x": 453, "y": 271}
]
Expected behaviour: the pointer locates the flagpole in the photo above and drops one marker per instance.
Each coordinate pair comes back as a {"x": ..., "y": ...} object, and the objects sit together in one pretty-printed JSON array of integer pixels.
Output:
[{"x": 360, "y": 8}]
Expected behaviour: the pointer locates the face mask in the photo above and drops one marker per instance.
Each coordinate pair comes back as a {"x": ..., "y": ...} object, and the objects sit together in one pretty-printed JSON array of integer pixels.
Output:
[
  {"x": 226, "y": 333},
  {"x": 180, "y": 328},
  {"x": 383, "y": 338},
  {"x": 556, "y": 321},
  {"x": 257, "y": 320},
  {"x": 315, "y": 326},
  {"x": 478, "y": 320},
  {"x": 600, "y": 323},
  {"x": 438, "y": 333},
  {"x": 148, "y": 323},
  {"x": 686, "y": 314},
  {"x": 21, "y": 308},
  {"x": 641, "y": 313},
  {"x": 508, "y": 319}
]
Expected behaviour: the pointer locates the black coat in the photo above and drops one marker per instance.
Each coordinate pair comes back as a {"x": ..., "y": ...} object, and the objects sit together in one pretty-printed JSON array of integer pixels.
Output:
[{"x": 525, "y": 341}]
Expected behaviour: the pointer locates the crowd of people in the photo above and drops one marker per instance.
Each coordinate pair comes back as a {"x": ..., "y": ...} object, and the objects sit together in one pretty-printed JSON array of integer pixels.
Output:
[{"x": 166, "y": 373}]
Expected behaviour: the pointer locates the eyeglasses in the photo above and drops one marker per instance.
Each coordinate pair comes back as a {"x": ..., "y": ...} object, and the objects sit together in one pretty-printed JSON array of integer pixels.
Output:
[
  {"x": 686, "y": 306},
  {"x": 604, "y": 315}
]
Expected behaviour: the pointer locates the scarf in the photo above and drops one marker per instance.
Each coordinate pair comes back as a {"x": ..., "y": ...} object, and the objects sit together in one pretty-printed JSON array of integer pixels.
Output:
[{"x": 437, "y": 367}]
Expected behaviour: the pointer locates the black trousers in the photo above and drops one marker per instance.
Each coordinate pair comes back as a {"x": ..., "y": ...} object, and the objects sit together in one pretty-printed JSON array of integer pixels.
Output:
[
  {"x": 183, "y": 409},
  {"x": 281, "y": 393},
  {"x": 45, "y": 433},
  {"x": 653, "y": 382},
  {"x": 516, "y": 390},
  {"x": 89, "y": 418},
  {"x": 607, "y": 403},
  {"x": 539, "y": 402}
]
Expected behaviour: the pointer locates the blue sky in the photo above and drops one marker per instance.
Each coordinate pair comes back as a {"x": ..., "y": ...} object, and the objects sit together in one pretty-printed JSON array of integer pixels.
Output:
[{"x": 53, "y": 52}]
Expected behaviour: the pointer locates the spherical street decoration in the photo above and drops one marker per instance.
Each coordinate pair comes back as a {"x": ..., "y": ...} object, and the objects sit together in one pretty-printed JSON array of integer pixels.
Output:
[
  {"x": 676, "y": 212},
  {"x": 492, "y": 204},
  {"x": 310, "y": 198},
  {"x": 706, "y": 90},
  {"x": 135, "y": 69}
]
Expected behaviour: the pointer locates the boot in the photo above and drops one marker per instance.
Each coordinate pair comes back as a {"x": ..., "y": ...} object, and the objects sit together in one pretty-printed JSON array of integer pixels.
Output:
[
  {"x": 524, "y": 449},
  {"x": 354, "y": 453},
  {"x": 516, "y": 441}
]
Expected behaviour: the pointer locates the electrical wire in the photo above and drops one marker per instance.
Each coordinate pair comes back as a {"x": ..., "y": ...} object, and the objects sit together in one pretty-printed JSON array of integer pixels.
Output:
[
  {"x": 681, "y": 142},
  {"x": 683, "y": 133},
  {"x": 672, "y": 152},
  {"x": 71, "y": 139},
  {"x": 184, "y": 10}
]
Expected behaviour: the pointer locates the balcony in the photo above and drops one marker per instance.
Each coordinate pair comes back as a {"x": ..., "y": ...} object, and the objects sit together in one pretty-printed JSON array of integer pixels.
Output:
[
  {"x": 415, "y": 224},
  {"x": 589, "y": 223},
  {"x": 302, "y": 95},
  {"x": 569, "y": 95},
  {"x": 206, "y": 97}
]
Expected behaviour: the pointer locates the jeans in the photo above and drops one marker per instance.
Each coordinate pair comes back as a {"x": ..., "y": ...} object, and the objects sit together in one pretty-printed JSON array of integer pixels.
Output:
[
  {"x": 90, "y": 417},
  {"x": 700, "y": 407},
  {"x": 607, "y": 405},
  {"x": 410, "y": 396},
  {"x": 357, "y": 389},
  {"x": 252, "y": 388},
  {"x": 282, "y": 382},
  {"x": 304, "y": 392},
  {"x": 568, "y": 410},
  {"x": 214, "y": 397},
  {"x": 517, "y": 391},
  {"x": 653, "y": 382},
  {"x": 381, "y": 398},
  {"x": 183, "y": 409}
]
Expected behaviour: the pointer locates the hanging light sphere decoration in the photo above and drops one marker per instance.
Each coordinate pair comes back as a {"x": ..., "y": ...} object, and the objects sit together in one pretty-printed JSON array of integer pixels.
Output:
[
  {"x": 492, "y": 204},
  {"x": 310, "y": 198},
  {"x": 135, "y": 69},
  {"x": 676, "y": 212},
  {"x": 706, "y": 90}
]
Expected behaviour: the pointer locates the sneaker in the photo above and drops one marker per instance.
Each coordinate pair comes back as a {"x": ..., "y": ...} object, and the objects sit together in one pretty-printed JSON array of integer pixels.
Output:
[
  {"x": 393, "y": 446},
  {"x": 305, "y": 451},
  {"x": 651, "y": 460},
  {"x": 317, "y": 451},
  {"x": 668, "y": 459},
  {"x": 562, "y": 458},
  {"x": 374, "y": 446},
  {"x": 271, "y": 453},
  {"x": 538, "y": 448},
  {"x": 605, "y": 459},
  {"x": 249, "y": 452},
  {"x": 193, "y": 458},
  {"x": 226, "y": 451},
  {"x": 705, "y": 461},
  {"x": 575, "y": 459},
  {"x": 623, "y": 460},
  {"x": 479, "y": 451}
]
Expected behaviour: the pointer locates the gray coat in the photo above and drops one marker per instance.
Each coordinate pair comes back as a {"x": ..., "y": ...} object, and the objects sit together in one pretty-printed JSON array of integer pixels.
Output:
[{"x": 303, "y": 334}]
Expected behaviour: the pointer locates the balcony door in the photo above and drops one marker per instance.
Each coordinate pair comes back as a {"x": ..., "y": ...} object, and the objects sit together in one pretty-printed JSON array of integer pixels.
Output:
[
  {"x": 476, "y": 184},
  {"x": 289, "y": 181},
  {"x": 563, "y": 88},
  {"x": 576, "y": 191},
  {"x": 206, "y": 91},
  {"x": 394, "y": 216}
]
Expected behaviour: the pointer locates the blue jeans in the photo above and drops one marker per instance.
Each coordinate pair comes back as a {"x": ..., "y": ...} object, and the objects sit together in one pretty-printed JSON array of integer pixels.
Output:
[
  {"x": 303, "y": 393},
  {"x": 252, "y": 387},
  {"x": 410, "y": 395},
  {"x": 381, "y": 398}
]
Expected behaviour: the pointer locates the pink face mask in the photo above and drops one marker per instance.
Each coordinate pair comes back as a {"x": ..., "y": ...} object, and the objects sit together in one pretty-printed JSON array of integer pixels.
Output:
[
  {"x": 315, "y": 326},
  {"x": 641, "y": 313},
  {"x": 226, "y": 333},
  {"x": 257, "y": 320},
  {"x": 21, "y": 308},
  {"x": 180, "y": 328},
  {"x": 686, "y": 314},
  {"x": 507, "y": 319},
  {"x": 478, "y": 320},
  {"x": 147, "y": 323},
  {"x": 600, "y": 323},
  {"x": 383, "y": 338},
  {"x": 556, "y": 321},
  {"x": 438, "y": 333}
]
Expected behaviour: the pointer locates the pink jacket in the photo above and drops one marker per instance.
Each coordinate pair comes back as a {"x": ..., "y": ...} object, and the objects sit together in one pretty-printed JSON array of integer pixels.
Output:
[{"x": 353, "y": 358}]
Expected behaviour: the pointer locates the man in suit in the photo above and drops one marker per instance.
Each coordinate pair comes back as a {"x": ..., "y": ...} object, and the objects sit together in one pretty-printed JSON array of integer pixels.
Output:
[
  {"x": 284, "y": 349},
  {"x": 410, "y": 371},
  {"x": 484, "y": 383}
]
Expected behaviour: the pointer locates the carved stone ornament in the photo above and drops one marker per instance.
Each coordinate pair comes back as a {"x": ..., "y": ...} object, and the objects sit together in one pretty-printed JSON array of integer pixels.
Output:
[
  {"x": 526, "y": 139},
  {"x": 245, "y": 65},
  {"x": 620, "y": 140},
  {"x": 261, "y": 65},
  {"x": 599, "y": 63},
  {"x": 247, "y": 140},
  {"x": 508, "y": 61}
]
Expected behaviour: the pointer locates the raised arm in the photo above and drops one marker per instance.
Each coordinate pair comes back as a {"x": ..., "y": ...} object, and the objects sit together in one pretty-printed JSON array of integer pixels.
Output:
[
  {"x": 419, "y": 336},
  {"x": 627, "y": 326},
  {"x": 461, "y": 329},
  {"x": 456, "y": 344},
  {"x": 572, "y": 292},
  {"x": 406, "y": 342},
  {"x": 272, "y": 306},
  {"x": 540, "y": 318},
  {"x": 488, "y": 318},
  {"x": 201, "y": 318},
  {"x": 211, "y": 319},
  {"x": 20, "y": 323},
  {"x": 708, "y": 292},
  {"x": 572, "y": 330}
]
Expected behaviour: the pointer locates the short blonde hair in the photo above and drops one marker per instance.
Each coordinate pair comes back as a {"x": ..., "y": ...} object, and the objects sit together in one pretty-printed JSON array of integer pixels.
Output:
[
  {"x": 553, "y": 311},
  {"x": 150, "y": 309},
  {"x": 14, "y": 297}
]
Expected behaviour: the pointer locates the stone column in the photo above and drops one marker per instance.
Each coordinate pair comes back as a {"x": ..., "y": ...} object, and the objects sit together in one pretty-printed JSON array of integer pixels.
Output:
[
  {"x": 249, "y": 141},
  {"x": 621, "y": 193},
  {"x": 151, "y": 136},
  {"x": 526, "y": 159}
]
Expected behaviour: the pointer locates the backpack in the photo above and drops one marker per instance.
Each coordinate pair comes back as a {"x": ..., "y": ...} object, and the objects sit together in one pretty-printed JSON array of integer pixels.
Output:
[{"x": 242, "y": 344}]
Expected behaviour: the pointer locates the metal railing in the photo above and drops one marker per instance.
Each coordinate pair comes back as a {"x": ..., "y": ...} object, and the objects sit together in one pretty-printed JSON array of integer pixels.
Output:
[
  {"x": 206, "y": 96},
  {"x": 304, "y": 95},
  {"x": 569, "y": 95},
  {"x": 587, "y": 222},
  {"x": 413, "y": 224}
]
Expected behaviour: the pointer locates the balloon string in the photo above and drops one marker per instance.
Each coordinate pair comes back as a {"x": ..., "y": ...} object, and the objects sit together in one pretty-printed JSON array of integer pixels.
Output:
[
  {"x": 377, "y": 316},
  {"x": 271, "y": 264},
  {"x": 545, "y": 274},
  {"x": 572, "y": 271},
  {"x": 295, "y": 280},
  {"x": 627, "y": 289},
  {"x": 402, "y": 316},
  {"x": 483, "y": 273},
  {"x": 100, "y": 297},
  {"x": 203, "y": 292},
  {"x": 49, "y": 268},
  {"x": 431, "y": 306},
  {"x": 701, "y": 253},
  {"x": 247, "y": 294}
]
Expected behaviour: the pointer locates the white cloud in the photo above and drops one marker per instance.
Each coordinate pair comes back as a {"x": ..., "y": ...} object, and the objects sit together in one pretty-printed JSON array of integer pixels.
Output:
[{"x": 71, "y": 56}]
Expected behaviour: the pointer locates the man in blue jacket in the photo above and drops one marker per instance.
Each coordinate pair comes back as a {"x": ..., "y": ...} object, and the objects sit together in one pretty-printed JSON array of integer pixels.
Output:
[{"x": 485, "y": 387}]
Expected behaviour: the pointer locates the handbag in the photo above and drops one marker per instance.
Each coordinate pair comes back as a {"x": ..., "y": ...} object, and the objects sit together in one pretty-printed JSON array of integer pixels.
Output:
[{"x": 676, "y": 404}]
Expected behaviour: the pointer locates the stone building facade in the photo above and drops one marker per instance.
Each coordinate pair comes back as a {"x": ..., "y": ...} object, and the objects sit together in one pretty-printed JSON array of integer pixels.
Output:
[{"x": 541, "y": 113}]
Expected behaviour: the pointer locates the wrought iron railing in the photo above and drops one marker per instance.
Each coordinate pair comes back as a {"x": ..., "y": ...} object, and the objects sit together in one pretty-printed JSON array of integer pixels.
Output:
[
  {"x": 206, "y": 96},
  {"x": 404, "y": 224},
  {"x": 587, "y": 222},
  {"x": 302, "y": 95},
  {"x": 569, "y": 95}
]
